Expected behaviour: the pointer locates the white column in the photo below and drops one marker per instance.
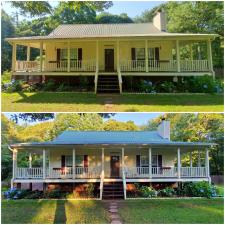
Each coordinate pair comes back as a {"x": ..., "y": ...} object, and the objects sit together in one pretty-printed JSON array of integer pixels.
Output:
[
  {"x": 207, "y": 163},
  {"x": 191, "y": 51},
  {"x": 103, "y": 161},
  {"x": 118, "y": 55},
  {"x": 178, "y": 162},
  {"x": 41, "y": 56},
  {"x": 209, "y": 54},
  {"x": 150, "y": 162},
  {"x": 14, "y": 57},
  {"x": 146, "y": 56},
  {"x": 123, "y": 164},
  {"x": 68, "y": 56},
  {"x": 97, "y": 57},
  {"x": 199, "y": 159},
  {"x": 14, "y": 163},
  {"x": 30, "y": 160},
  {"x": 191, "y": 159},
  {"x": 44, "y": 164},
  {"x": 178, "y": 55},
  {"x": 74, "y": 163},
  {"x": 28, "y": 53}
]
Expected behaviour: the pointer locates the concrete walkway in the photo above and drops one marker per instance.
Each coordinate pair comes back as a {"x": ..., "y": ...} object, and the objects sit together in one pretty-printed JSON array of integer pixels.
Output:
[{"x": 112, "y": 207}]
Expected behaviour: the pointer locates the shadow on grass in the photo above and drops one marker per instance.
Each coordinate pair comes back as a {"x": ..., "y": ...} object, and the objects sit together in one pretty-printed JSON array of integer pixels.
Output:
[
  {"x": 135, "y": 99},
  {"x": 60, "y": 212}
]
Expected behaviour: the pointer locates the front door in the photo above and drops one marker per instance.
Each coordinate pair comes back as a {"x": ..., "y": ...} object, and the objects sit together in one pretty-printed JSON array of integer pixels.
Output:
[
  {"x": 115, "y": 166},
  {"x": 109, "y": 60}
]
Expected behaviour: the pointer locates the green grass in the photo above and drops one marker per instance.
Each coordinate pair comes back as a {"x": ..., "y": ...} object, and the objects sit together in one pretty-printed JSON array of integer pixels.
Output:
[
  {"x": 220, "y": 189},
  {"x": 76, "y": 102},
  {"x": 172, "y": 211},
  {"x": 53, "y": 211}
]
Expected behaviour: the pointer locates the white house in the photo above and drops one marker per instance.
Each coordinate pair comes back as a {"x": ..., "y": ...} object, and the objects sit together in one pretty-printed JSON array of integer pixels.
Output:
[{"x": 101, "y": 157}]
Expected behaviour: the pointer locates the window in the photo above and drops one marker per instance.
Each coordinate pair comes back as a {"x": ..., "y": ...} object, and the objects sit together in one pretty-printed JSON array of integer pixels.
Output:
[
  {"x": 155, "y": 161},
  {"x": 73, "y": 54},
  {"x": 151, "y": 53},
  {"x": 140, "y": 53},
  {"x": 79, "y": 161},
  {"x": 144, "y": 161},
  {"x": 68, "y": 161}
]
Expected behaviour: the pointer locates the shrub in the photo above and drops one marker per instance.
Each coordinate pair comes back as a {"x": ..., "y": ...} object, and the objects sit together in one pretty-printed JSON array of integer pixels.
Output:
[
  {"x": 90, "y": 190},
  {"x": 49, "y": 85},
  {"x": 200, "y": 189},
  {"x": 64, "y": 87},
  {"x": 14, "y": 86},
  {"x": 55, "y": 194},
  {"x": 35, "y": 195},
  {"x": 15, "y": 193},
  {"x": 167, "y": 192},
  {"x": 146, "y": 87},
  {"x": 166, "y": 86},
  {"x": 83, "y": 82},
  {"x": 147, "y": 192}
]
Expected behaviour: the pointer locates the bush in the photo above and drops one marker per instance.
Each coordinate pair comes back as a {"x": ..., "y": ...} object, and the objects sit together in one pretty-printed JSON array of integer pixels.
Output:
[
  {"x": 166, "y": 87},
  {"x": 147, "y": 192},
  {"x": 14, "y": 193},
  {"x": 146, "y": 87},
  {"x": 35, "y": 195},
  {"x": 55, "y": 194},
  {"x": 90, "y": 190},
  {"x": 14, "y": 86},
  {"x": 64, "y": 87},
  {"x": 49, "y": 85},
  {"x": 200, "y": 189},
  {"x": 167, "y": 192}
]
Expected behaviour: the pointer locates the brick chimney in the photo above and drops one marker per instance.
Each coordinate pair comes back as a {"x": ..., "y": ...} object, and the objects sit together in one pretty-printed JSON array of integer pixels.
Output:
[
  {"x": 164, "y": 129},
  {"x": 159, "y": 20}
]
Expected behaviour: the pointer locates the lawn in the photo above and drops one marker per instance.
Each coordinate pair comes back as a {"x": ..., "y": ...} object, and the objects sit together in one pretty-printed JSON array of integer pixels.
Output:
[
  {"x": 53, "y": 211},
  {"x": 131, "y": 211},
  {"x": 88, "y": 102},
  {"x": 172, "y": 211}
]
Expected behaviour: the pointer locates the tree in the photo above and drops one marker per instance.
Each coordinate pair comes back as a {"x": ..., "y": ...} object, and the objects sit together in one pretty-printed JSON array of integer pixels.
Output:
[
  {"x": 110, "y": 18},
  {"x": 32, "y": 117},
  {"x": 8, "y": 30},
  {"x": 113, "y": 125}
]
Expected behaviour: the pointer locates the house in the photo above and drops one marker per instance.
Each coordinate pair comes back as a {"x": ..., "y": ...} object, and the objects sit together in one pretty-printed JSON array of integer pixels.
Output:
[
  {"x": 106, "y": 54},
  {"x": 110, "y": 158}
]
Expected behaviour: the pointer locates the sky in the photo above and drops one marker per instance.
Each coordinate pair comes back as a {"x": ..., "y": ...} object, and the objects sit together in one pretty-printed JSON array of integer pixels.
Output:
[
  {"x": 132, "y": 8},
  {"x": 138, "y": 118}
]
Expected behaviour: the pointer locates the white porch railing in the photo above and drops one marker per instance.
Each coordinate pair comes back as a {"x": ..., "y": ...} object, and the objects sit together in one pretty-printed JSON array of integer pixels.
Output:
[
  {"x": 29, "y": 172},
  {"x": 132, "y": 65},
  {"x": 162, "y": 65},
  {"x": 194, "y": 65},
  {"x": 136, "y": 172},
  {"x": 164, "y": 172},
  {"x": 27, "y": 66},
  {"x": 193, "y": 172}
]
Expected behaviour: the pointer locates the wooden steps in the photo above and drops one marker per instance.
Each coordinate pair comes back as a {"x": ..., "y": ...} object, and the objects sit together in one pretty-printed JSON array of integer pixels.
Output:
[
  {"x": 113, "y": 190},
  {"x": 108, "y": 84}
]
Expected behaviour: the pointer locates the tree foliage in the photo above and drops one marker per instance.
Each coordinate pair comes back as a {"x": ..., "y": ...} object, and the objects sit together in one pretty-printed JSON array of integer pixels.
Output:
[
  {"x": 113, "y": 125},
  {"x": 110, "y": 18}
]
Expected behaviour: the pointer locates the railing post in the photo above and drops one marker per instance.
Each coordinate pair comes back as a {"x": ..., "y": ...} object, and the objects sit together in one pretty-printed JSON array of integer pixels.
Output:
[
  {"x": 150, "y": 162},
  {"x": 74, "y": 164},
  {"x": 68, "y": 56},
  {"x": 97, "y": 67},
  {"x": 146, "y": 56},
  {"x": 178, "y": 163},
  {"x": 14, "y": 57},
  {"x": 28, "y": 53},
  {"x": 44, "y": 164},
  {"x": 207, "y": 163},
  {"x": 118, "y": 55},
  {"x": 178, "y": 55},
  {"x": 14, "y": 163},
  {"x": 41, "y": 55},
  {"x": 209, "y": 54},
  {"x": 30, "y": 160}
]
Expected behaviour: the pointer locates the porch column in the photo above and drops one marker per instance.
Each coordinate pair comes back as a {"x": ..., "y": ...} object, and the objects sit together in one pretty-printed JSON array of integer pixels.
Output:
[
  {"x": 123, "y": 159},
  {"x": 74, "y": 163},
  {"x": 118, "y": 55},
  {"x": 191, "y": 52},
  {"x": 97, "y": 57},
  {"x": 14, "y": 163},
  {"x": 150, "y": 162},
  {"x": 41, "y": 56},
  {"x": 209, "y": 54},
  {"x": 199, "y": 159},
  {"x": 28, "y": 53},
  {"x": 44, "y": 164},
  {"x": 178, "y": 162},
  {"x": 30, "y": 160},
  {"x": 146, "y": 56},
  {"x": 68, "y": 56},
  {"x": 178, "y": 55},
  {"x": 14, "y": 45},
  {"x": 207, "y": 163}
]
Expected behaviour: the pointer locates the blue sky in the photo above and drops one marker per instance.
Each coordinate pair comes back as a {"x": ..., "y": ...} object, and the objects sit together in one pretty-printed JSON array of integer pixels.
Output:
[
  {"x": 138, "y": 118},
  {"x": 132, "y": 8}
]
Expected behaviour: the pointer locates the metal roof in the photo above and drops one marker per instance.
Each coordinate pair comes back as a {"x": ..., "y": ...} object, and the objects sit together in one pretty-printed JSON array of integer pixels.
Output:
[
  {"x": 110, "y": 137},
  {"x": 108, "y": 31}
]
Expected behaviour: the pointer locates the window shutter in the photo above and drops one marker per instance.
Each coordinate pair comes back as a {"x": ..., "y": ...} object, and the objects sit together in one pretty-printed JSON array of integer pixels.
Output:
[
  {"x": 63, "y": 161},
  {"x": 85, "y": 160},
  {"x": 138, "y": 160},
  {"x": 133, "y": 54},
  {"x": 160, "y": 161},
  {"x": 157, "y": 54},
  {"x": 80, "y": 54},
  {"x": 58, "y": 54}
]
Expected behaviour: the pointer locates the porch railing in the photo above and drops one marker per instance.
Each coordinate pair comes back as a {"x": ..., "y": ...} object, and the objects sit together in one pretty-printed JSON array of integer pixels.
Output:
[
  {"x": 194, "y": 65},
  {"x": 193, "y": 172},
  {"x": 27, "y": 66},
  {"x": 29, "y": 173}
]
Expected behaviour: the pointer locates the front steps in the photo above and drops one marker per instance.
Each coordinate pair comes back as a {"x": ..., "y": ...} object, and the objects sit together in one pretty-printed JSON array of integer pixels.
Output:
[
  {"x": 108, "y": 84},
  {"x": 113, "y": 190}
]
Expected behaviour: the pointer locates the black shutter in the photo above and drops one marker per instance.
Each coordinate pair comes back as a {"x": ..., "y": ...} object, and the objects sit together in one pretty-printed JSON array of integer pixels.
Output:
[
  {"x": 63, "y": 161},
  {"x": 157, "y": 54},
  {"x": 85, "y": 160},
  {"x": 79, "y": 56},
  {"x": 58, "y": 57},
  {"x": 138, "y": 160},
  {"x": 160, "y": 161},
  {"x": 133, "y": 56}
]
